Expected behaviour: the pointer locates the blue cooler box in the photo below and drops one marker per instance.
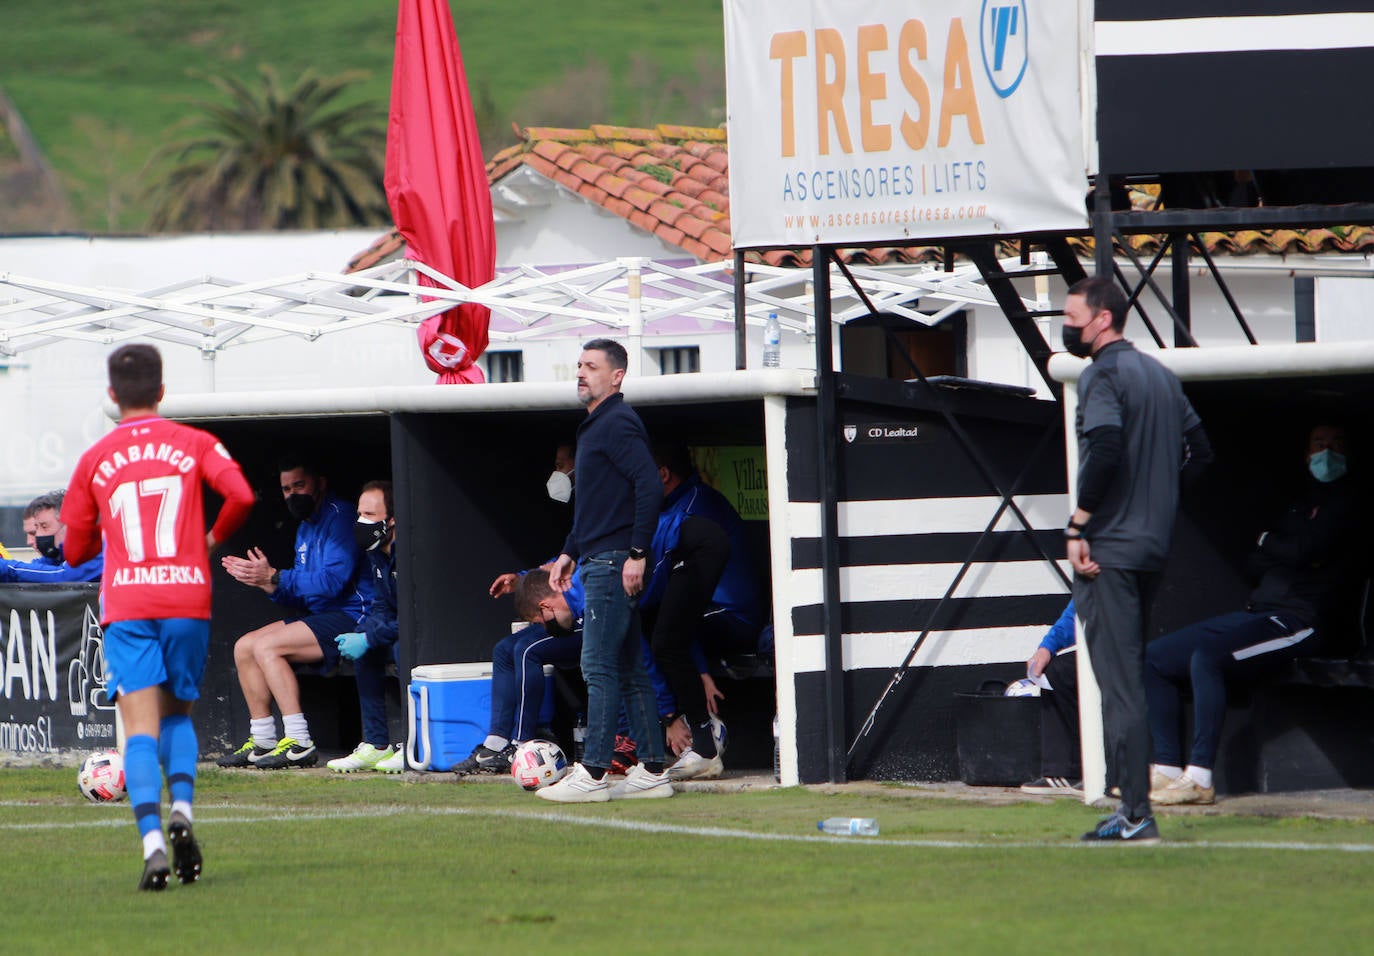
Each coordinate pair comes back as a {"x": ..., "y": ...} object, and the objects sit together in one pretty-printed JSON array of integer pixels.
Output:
[{"x": 449, "y": 709}]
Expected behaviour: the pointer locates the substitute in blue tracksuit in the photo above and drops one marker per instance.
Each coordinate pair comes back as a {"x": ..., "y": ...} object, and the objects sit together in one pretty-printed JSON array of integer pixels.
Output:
[
  {"x": 44, "y": 533},
  {"x": 330, "y": 597},
  {"x": 1061, "y": 752},
  {"x": 703, "y": 588},
  {"x": 372, "y": 647}
]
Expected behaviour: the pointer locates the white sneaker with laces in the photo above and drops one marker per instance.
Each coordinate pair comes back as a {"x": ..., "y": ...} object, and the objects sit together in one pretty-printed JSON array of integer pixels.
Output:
[
  {"x": 1184, "y": 791},
  {"x": 693, "y": 766},
  {"x": 396, "y": 763},
  {"x": 364, "y": 757},
  {"x": 577, "y": 787},
  {"x": 640, "y": 784}
]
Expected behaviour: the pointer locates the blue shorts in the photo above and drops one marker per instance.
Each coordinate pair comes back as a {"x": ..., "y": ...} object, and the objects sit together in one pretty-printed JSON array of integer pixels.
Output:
[
  {"x": 326, "y": 626},
  {"x": 157, "y": 652}
]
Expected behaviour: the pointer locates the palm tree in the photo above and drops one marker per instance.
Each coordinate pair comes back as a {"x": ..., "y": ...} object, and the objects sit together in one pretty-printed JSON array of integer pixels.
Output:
[{"x": 274, "y": 159}]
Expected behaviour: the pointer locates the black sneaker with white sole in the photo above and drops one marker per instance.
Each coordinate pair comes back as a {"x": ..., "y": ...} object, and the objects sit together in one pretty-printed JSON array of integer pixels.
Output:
[
  {"x": 486, "y": 760},
  {"x": 155, "y": 872},
  {"x": 1118, "y": 828},
  {"x": 289, "y": 753},
  {"x": 246, "y": 756},
  {"x": 186, "y": 858}
]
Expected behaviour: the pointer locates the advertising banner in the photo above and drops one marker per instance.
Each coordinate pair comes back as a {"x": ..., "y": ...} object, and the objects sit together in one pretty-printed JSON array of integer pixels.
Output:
[
  {"x": 871, "y": 121},
  {"x": 52, "y": 671}
]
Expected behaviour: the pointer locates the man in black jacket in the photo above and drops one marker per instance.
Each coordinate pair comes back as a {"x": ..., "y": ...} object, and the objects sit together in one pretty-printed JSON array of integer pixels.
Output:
[
  {"x": 1138, "y": 440},
  {"x": 615, "y": 513},
  {"x": 1301, "y": 565}
]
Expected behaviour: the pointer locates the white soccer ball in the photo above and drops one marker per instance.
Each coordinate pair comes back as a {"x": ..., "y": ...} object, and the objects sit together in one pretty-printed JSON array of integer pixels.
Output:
[
  {"x": 1025, "y": 687},
  {"x": 101, "y": 778},
  {"x": 538, "y": 763}
]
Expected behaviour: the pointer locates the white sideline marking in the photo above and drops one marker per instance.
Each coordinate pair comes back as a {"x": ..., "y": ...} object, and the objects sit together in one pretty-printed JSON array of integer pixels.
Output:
[{"x": 266, "y": 814}]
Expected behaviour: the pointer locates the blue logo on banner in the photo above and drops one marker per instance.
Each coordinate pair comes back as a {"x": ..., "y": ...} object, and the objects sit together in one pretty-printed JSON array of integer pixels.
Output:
[{"x": 1002, "y": 30}]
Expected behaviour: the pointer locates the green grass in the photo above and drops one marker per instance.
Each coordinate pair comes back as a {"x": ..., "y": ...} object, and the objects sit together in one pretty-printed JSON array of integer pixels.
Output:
[
  {"x": 372, "y": 864},
  {"x": 100, "y": 84}
]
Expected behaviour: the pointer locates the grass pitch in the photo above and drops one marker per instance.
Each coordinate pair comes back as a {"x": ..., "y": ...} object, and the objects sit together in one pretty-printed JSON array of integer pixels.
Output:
[{"x": 307, "y": 863}]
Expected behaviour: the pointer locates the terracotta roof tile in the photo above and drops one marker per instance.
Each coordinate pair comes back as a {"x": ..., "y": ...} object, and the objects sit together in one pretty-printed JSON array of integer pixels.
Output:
[
  {"x": 613, "y": 184},
  {"x": 643, "y": 220},
  {"x": 691, "y": 225},
  {"x": 670, "y": 235},
  {"x": 623, "y": 169},
  {"x": 666, "y": 211},
  {"x": 623, "y": 132},
  {"x": 638, "y": 198}
]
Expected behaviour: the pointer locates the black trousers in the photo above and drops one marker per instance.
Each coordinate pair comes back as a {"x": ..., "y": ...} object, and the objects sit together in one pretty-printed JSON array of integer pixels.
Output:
[
  {"x": 1113, "y": 606},
  {"x": 695, "y": 567},
  {"x": 1060, "y": 741}
]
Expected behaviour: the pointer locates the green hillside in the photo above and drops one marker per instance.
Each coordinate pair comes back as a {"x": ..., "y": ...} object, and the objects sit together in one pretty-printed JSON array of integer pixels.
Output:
[{"x": 100, "y": 84}]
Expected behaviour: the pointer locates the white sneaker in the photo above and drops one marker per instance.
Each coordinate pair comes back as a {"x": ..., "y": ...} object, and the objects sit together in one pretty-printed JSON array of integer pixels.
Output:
[
  {"x": 364, "y": 757},
  {"x": 1184, "y": 791},
  {"x": 640, "y": 784},
  {"x": 396, "y": 763},
  {"x": 577, "y": 787},
  {"x": 693, "y": 766}
]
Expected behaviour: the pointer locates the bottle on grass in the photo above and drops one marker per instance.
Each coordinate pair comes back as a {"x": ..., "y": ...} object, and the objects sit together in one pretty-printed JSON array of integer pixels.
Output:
[{"x": 849, "y": 826}]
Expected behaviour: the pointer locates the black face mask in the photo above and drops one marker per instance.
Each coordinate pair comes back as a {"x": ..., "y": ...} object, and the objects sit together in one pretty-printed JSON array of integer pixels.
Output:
[
  {"x": 554, "y": 628},
  {"x": 46, "y": 545},
  {"x": 370, "y": 534},
  {"x": 300, "y": 506},
  {"x": 1074, "y": 344}
]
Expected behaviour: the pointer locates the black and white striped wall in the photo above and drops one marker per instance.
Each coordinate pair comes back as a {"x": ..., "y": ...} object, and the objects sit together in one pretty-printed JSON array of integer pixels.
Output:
[
  {"x": 912, "y": 507},
  {"x": 1186, "y": 85}
]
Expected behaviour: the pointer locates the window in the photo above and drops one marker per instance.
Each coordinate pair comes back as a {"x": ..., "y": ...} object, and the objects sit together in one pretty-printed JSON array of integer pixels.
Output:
[
  {"x": 686, "y": 358},
  {"x": 505, "y": 366}
]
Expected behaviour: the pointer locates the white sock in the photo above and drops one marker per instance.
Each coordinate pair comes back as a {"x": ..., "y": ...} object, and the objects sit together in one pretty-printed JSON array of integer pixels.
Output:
[
  {"x": 1202, "y": 776},
  {"x": 183, "y": 807},
  {"x": 152, "y": 842},
  {"x": 296, "y": 728},
  {"x": 495, "y": 743},
  {"x": 1172, "y": 772},
  {"x": 264, "y": 732}
]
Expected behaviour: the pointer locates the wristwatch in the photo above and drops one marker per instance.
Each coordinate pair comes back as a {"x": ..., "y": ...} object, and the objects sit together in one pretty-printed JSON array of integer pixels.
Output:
[
  {"x": 1074, "y": 530},
  {"x": 638, "y": 554},
  {"x": 276, "y": 578}
]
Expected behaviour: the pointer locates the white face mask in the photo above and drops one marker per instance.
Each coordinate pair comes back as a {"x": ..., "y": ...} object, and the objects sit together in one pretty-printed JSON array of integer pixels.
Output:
[{"x": 560, "y": 487}]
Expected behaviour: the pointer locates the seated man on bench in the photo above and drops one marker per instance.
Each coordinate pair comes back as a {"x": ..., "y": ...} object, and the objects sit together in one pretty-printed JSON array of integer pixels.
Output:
[
  {"x": 329, "y": 597},
  {"x": 1302, "y": 565}
]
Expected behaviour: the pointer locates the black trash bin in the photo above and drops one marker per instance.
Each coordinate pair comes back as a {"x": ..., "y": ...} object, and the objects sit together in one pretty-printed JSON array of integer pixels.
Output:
[{"x": 998, "y": 736}]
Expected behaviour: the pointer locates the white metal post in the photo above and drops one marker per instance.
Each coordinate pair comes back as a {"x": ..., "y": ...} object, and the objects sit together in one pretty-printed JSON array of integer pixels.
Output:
[{"x": 634, "y": 267}]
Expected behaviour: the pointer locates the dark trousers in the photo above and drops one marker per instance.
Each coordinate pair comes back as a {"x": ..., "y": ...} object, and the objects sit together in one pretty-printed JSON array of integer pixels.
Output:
[
  {"x": 1237, "y": 647},
  {"x": 370, "y": 672},
  {"x": 1060, "y": 741},
  {"x": 695, "y": 567},
  {"x": 1113, "y": 607}
]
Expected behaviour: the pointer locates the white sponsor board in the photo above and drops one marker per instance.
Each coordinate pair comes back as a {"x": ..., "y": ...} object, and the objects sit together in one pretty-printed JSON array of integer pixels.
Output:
[{"x": 870, "y": 121}]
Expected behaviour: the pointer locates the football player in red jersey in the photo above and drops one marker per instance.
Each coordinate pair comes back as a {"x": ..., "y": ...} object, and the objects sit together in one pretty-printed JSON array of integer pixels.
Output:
[{"x": 141, "y": 489}]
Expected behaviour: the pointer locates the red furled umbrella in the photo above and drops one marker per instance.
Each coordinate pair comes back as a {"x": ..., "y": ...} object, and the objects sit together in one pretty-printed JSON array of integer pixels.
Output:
[{"x": 436, "y": 181}]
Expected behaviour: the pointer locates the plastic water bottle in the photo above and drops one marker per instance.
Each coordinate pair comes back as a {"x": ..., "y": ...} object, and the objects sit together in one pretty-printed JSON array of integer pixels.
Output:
[
  {"x": 580, "y": 737},
  {"x": 777, "y": 752},
  {"x": 772, "y": 342},
  {"x": 849, "y": 826}
]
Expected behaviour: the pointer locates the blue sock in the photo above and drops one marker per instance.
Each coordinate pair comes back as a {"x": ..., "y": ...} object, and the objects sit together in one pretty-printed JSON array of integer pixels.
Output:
[
  {"x": 143, "y": 777},
  {"x": 177, "y": 750}
]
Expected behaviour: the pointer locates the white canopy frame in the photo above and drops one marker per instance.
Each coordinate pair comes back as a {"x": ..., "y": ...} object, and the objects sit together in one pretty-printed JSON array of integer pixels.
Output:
[{"x": 631, "y": 296}]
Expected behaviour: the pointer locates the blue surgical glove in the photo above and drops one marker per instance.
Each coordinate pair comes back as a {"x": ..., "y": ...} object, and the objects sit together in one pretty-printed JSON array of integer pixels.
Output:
[{"x": 352, "y": 645}]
